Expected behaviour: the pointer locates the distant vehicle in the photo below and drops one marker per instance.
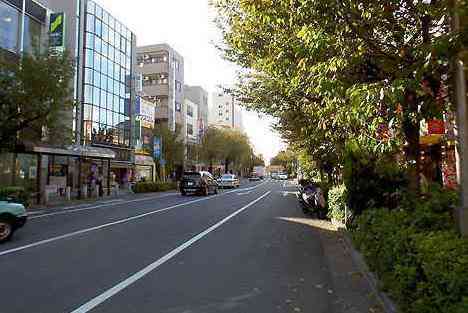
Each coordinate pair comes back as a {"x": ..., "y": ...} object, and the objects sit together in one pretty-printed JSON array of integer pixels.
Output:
[
  {"x": 283, "y": 176},
  {"x": 198, "y": 183},
  {"x": 229, "y": 181},
  {"x": 12, "y": 217},
  {"x": 274, "y": 176},
  {"x": 260, "y": 171},
  {"x": 254, "y": 177}
]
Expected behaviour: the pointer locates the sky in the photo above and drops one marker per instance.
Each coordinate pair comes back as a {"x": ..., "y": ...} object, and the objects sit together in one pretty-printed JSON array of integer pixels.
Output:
[{"x": 187, "y": 25}]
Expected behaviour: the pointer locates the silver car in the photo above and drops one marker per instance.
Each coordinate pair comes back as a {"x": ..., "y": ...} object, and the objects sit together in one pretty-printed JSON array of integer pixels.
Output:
[{"x": 228, "y": 181}]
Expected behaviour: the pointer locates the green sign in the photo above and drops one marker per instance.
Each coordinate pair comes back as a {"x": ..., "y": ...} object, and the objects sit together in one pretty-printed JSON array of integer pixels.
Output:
[{"x": 57, "y": 30}]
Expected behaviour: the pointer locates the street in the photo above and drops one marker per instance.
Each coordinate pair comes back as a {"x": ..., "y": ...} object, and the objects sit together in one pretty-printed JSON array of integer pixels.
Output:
[{"x": 239, "y": 251}]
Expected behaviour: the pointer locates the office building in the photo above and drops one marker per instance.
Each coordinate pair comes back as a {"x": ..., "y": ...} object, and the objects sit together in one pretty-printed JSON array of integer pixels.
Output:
[
  {"x": 103, "y": 88},
  {"x": 199, "y": 96},
  {"x": 162, "y": 70}
]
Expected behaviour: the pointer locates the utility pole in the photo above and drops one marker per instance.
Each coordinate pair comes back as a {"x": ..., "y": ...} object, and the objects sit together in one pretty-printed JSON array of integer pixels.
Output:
[{"x": 461, "y": 70}]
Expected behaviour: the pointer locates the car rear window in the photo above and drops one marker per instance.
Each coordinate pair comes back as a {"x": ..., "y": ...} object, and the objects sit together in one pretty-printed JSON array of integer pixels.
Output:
[{"x": 228, "y": 176}]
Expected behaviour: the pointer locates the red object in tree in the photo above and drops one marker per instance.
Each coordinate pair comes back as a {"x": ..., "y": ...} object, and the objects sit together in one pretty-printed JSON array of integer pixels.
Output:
[{"x": 436, "y": 127}]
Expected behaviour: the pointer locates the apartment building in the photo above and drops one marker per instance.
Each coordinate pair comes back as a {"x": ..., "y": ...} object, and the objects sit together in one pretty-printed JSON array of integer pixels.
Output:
[
  {"x": 199, "y": 96},
  {"x": 225, "y": 112},
  {"x": 162, "y": 70}
]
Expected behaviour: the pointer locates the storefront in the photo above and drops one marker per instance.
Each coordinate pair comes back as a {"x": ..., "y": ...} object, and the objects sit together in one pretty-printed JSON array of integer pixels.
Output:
[
  {"x": 438, "y": 155},
  {"x": 50, "y": 173},
  {"x": 144, "y": 168}
]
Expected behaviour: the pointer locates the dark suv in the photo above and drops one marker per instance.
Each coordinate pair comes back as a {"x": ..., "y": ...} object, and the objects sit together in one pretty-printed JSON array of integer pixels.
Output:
[{"x": 198, "y": 182}]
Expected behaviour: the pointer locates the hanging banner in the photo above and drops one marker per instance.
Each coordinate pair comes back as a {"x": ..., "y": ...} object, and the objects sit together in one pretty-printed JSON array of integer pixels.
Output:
[{"x": 157, "y": 147}]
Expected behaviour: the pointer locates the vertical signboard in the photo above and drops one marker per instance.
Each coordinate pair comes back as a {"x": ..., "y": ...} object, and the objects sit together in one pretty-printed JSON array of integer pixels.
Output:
[
  {"x": 57, "y": 31},
  {"x": 157, "y": 147}
]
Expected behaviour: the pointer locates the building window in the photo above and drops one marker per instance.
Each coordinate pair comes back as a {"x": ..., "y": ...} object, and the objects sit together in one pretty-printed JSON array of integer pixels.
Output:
[
  {"x": 190, "y": 111},
  {"x": 178, "y": 107},
  {"x": 9, "y": 27},
  {"x": 190, "y": 129},
  {"x": 32, "y": 34},
  {"x": 178, "y": 86}
]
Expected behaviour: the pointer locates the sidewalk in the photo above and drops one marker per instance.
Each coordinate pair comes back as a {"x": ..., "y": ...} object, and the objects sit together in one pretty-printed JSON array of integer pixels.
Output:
[{"x": 352, "y": 291}]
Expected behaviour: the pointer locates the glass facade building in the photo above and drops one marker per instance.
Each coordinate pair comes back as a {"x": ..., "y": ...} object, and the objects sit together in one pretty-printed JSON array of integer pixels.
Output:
[
  {"x": 22, "y": 25},
  {"x": 108, "y": 79}
]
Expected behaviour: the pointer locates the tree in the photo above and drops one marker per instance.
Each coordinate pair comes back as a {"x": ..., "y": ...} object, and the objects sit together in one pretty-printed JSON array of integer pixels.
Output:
[
  {"x": 287, "y": 159},
  {"x": 228, "y": 146},
  {"x": 331, "y": 71},
  {"x": 212, "y": 146},
  {"x": 35, "y": 98},
  {"x": 173, "y": 149}
]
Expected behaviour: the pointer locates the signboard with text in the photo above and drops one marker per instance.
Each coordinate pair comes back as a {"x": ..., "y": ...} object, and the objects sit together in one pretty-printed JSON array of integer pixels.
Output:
[{"x": 145, "y": 112}]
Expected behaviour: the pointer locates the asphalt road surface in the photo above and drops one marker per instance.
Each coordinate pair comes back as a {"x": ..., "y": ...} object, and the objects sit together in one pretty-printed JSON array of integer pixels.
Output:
[{"x": 239, "y": 251}]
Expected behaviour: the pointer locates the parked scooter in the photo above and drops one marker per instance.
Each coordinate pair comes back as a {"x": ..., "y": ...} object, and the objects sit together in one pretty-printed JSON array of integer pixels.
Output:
[{"x": 312, "y": 199}]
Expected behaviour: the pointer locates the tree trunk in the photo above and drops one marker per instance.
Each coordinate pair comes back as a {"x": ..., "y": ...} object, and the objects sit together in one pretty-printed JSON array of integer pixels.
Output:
[
  {"x": 226, "y": 166},
  {"x": 211, "y": 167},
  {"x": 411, "y": 129}
]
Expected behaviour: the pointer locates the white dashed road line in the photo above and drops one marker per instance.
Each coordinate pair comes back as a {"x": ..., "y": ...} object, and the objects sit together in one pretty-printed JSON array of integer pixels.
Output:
[{"x": 88, "y": 306}]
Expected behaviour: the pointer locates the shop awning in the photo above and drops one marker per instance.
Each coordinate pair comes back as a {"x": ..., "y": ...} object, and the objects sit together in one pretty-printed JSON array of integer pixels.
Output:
[{"x": 75, "y": 150}]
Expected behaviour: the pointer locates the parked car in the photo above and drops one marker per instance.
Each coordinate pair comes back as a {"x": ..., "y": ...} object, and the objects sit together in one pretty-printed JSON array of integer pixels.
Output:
[
  {"x": 198, "y": 183},
  {"x": 274, "y": 176},
  {"x": 12, "y": 217},
  {"x": 283, "y": 176},
  {"x": 229, "y": 181},
  {"x": 254, "y": 177}
]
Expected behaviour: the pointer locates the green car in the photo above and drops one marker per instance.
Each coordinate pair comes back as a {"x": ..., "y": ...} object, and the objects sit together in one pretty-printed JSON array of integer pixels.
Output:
[{"x": 12, "y": 217}]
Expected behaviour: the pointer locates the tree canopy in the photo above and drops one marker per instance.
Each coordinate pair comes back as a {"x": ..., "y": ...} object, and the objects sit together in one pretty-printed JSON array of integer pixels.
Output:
[
  {"x": 334, "y": 71},
  {"x": 35, "y": 98},
  {"x": 227, "y": 146}
]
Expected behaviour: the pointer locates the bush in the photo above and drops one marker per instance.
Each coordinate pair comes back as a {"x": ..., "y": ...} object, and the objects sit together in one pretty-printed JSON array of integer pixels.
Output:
[
  {"x": 145, "y": 187},
  {"x": 16, "y": 194},
  {"x": 371, "y": 180},
  {"x": 421, "y": 261},
  {"x": 337, "y": 197}
]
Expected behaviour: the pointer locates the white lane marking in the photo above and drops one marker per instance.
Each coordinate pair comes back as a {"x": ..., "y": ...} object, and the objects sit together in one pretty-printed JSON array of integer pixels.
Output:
[
  {"x": 87, "y": 230},
  {"x": 244, "y": 193},
  {"x": 88, "y": 306},
  {"x": 62, "y": 212}
]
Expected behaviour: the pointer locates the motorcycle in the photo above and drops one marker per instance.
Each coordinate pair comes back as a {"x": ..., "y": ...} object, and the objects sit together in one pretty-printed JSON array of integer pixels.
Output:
[{"x": 312, "y": 199}]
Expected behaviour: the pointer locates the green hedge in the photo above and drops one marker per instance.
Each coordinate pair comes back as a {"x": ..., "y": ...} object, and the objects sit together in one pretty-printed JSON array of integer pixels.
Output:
[
  {"x": 337, "y": 201},
  {"x": 420, "y": 259},
  {"x": 153, "y": 187},
  {"x": 17, "y": 194}
]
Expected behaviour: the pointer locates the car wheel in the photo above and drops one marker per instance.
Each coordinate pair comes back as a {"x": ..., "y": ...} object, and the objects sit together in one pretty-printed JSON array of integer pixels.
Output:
[
  {"x": 6, "y": 229},
  {"x": 216, "y": 190},
  {"x": 183, "y": 193}
]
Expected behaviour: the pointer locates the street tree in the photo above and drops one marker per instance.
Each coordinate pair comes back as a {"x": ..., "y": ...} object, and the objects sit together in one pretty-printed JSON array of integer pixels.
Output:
[
  {"x": 35, "y": 98},
  {"x": 173, "y": 149},
  {"x": 337, "y": 70}
]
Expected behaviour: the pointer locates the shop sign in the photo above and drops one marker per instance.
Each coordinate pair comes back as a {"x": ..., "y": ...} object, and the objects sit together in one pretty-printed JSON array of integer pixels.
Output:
[
  {"x": 57, "y": 30},
  {"x": 436, "y": 127},
  {"x": 143, "y": 160},
  {"x": 145, "y": 113}
]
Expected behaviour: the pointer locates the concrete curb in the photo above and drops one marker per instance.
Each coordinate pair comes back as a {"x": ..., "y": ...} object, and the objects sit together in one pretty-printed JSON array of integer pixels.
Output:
[{"x": 358, "y": 259}]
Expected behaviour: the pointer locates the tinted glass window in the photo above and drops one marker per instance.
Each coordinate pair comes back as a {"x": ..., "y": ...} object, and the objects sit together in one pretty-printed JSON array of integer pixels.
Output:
[{"x": 9, "y": 27}]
